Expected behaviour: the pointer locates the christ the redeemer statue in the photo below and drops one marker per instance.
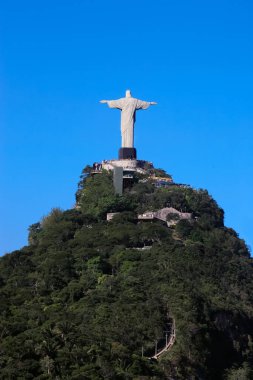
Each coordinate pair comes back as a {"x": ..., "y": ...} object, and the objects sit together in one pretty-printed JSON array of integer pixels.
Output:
[{"x": 128, "y": 107}]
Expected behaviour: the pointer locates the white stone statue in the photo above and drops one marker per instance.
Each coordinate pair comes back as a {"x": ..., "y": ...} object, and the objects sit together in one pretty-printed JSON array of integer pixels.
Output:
[{"x": 128, "y": 106}]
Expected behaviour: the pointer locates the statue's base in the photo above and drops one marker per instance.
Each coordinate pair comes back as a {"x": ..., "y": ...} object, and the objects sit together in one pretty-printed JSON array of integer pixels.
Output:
[{"x": 127, "y": 154}]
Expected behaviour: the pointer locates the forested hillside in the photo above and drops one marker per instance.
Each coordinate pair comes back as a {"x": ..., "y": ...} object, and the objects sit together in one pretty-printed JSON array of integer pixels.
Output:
[{"x": 90, "y": 299}]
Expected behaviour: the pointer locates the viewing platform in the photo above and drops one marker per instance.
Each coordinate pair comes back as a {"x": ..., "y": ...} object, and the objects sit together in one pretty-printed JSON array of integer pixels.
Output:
[{"x": 129, "y": 166}]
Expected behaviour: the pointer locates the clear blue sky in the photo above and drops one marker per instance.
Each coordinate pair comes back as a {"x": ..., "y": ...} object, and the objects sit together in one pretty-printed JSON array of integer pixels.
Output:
[{"x": 59, "y": 58}]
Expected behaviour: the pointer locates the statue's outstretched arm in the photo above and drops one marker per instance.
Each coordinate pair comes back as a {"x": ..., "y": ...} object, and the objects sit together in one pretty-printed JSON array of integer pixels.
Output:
[
  {"x": 113, "y": 103},
  {"x": 153, "y": 103}
]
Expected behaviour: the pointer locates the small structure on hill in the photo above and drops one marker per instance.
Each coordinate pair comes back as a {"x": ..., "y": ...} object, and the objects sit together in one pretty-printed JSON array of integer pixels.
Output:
[
  {"x": 161, "y": 181},
  {"x": 168, "y": 214},
  {"x": 118, "y": 180},
  {"x": 148, "y": 215},
  {"x": 110, "y": 215}
]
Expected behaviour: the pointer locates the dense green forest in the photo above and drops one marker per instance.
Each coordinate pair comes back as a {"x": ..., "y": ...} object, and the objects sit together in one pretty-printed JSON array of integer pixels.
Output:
[{"x": 90, "y": 299}]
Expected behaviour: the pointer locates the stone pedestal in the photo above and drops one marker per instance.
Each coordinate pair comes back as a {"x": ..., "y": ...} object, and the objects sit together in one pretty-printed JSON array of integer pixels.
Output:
[{"x": 127, "y": 154}]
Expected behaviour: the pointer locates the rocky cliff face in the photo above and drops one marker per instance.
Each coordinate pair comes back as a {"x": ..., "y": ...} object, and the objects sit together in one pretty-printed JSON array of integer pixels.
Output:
[{"x": 86, "y": 299}]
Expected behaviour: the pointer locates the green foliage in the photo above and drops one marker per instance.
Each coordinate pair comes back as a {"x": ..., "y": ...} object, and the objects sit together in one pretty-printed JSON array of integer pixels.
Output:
[
  {"x": 97, "y": 198},
  {"x": 160, "y": 173},
  {"x": 184, "y": 228},
  {"x": 87, "y": 297},
  {"x": 242, "y": 373}
]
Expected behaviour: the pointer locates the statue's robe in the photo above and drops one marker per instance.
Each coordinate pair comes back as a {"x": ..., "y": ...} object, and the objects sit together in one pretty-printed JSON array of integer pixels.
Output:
[{"x": 128, "y": 106}]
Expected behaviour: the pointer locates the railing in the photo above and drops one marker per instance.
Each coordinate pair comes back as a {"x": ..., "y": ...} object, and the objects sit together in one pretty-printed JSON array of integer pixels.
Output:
[{"x": 169, "y": 342}]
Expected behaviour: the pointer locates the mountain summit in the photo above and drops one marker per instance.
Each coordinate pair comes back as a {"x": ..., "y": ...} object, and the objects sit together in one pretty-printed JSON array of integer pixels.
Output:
[{"x": 143, "y": 283}]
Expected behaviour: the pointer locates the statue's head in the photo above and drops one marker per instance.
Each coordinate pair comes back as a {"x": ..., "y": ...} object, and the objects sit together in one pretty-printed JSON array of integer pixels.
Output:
[{"x": 128, "y": 94}]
